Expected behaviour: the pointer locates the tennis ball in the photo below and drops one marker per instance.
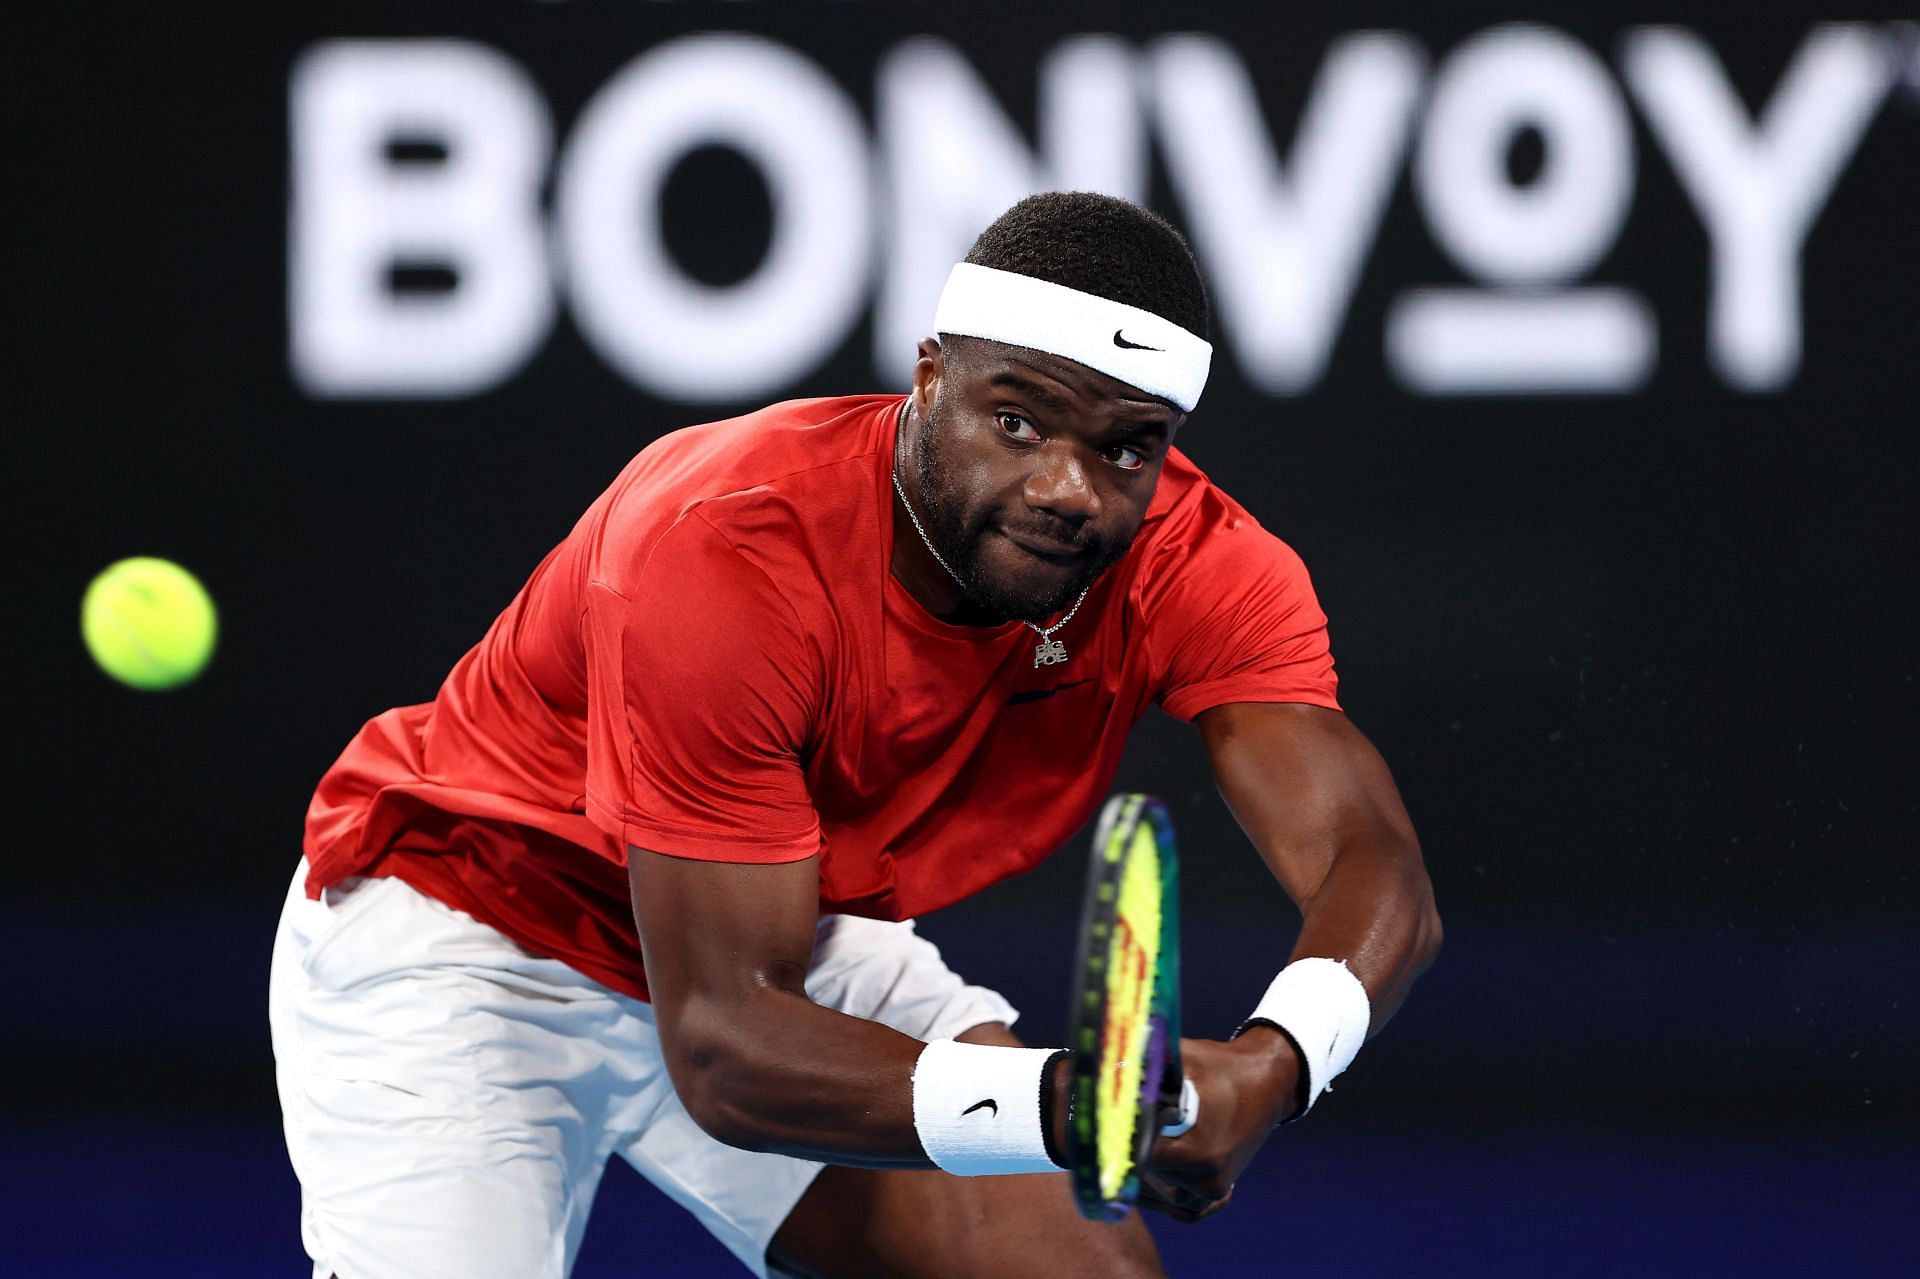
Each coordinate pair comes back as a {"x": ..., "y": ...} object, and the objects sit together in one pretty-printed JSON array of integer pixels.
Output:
[{"x": 149, "y": 623}]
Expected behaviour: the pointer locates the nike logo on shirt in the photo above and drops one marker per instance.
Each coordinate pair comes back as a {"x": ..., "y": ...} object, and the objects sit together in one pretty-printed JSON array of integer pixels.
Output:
[{"x": 1040, "y": 694}]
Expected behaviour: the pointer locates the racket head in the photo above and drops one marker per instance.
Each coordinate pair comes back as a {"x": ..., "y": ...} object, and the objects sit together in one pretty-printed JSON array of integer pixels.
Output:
[{"x": 1125, "y": 1013}]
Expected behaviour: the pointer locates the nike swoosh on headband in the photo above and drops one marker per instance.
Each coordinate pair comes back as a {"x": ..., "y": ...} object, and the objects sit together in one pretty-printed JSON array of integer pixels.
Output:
[{"x": 1019, "y": 310}]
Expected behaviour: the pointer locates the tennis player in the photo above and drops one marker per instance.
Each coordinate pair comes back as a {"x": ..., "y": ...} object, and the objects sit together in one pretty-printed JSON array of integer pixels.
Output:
[{"x": 640, "y": 879}]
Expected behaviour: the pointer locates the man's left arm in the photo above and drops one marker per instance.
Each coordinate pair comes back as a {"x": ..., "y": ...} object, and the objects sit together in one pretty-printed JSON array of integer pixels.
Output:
[{"x": 1318, "y": 803}]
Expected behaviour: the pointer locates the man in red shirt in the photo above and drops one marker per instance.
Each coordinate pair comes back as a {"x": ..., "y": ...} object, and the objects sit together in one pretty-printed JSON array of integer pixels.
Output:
[{"x": 792, "y": 677}]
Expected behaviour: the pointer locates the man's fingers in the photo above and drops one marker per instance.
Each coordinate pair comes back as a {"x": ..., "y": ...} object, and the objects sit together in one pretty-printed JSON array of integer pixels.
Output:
[
  {"x": 1185, "y": 1216},
  {"x": 1183, "y": 1205},
  {"x": 1150, "y": 1204},
  {"x": 1152, "y": 1201}
]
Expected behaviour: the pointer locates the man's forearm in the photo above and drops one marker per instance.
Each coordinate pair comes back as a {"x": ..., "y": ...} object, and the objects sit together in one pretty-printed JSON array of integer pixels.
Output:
[
  {"x": 1321, "y": 808},
  {"x": 759, "y": 1065},
  {"x": 1374, "y": 910},
  {"x": 773, "y": 1071}
]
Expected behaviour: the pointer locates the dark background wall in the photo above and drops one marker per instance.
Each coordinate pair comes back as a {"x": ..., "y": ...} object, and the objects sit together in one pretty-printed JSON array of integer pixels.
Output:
[{"x": 1641, "y": 659}]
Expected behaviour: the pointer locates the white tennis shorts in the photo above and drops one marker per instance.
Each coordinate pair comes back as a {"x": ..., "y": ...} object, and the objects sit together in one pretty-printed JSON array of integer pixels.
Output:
[{"x": 451, "y": 1098}]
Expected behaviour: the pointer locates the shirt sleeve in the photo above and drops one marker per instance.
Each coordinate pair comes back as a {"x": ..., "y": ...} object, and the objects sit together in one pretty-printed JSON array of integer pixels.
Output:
[
  {"x": 702, "y": 692},
  {"x": 1231, "y": 615}
]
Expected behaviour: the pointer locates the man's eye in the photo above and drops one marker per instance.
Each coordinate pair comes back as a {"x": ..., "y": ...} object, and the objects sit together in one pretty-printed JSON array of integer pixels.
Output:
[
  {"x": 1126, "y": 457},
  {"x": 1018, "y": 427}
]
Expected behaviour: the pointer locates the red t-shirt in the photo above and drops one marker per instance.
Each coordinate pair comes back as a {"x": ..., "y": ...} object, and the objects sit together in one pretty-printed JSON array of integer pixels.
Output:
[{"x": 717, "y": 664}]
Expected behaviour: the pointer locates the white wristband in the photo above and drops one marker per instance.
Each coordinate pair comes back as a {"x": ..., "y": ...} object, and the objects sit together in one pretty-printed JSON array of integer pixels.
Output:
[
  {"x": 976, "y": 1108},
  {"x": 1189, "y": 1111},
  {"x": 1324, "y": 1009}
]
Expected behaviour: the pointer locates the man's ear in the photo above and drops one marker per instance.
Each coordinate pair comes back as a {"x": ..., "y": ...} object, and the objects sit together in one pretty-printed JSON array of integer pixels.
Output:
[{"x": 928, "y": 368}]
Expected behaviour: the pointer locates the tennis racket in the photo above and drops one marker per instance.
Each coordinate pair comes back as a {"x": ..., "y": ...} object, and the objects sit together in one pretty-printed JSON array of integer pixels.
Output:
[{"x": 1126, "y": 1006}]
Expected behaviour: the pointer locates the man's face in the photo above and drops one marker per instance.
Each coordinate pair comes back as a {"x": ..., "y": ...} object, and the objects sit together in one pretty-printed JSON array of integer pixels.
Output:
[{"x": 1034, "y": 471}]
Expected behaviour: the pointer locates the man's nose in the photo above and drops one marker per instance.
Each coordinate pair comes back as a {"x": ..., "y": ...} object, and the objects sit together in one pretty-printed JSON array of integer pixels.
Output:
[{"x": 1062, "y": 486}]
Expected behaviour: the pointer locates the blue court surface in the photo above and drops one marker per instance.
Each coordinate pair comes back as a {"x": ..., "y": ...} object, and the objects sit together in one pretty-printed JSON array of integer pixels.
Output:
[
  {"x": 1432, "y": 1161},
  {"x": 194, "y": 1202}
]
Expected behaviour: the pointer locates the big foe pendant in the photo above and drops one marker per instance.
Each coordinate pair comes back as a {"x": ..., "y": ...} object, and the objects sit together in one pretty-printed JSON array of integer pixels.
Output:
[{"x": 1049, "y": 652}]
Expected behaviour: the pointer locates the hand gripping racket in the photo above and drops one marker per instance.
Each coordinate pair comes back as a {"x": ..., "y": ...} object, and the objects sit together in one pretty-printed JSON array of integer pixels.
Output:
[{"x": 1126, "y": 1007}]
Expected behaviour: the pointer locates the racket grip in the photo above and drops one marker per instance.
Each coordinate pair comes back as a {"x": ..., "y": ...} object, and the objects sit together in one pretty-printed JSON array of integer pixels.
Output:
[{"x": 1189, "y": 1111}]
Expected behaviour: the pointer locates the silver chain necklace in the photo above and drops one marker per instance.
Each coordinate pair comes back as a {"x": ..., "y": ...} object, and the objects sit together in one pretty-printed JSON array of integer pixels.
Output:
[{"x": 1050, "y": 651}]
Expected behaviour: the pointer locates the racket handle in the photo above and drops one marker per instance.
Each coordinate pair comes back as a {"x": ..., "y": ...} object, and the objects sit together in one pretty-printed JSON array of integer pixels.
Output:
[{"x": 1189, "y": 1111}]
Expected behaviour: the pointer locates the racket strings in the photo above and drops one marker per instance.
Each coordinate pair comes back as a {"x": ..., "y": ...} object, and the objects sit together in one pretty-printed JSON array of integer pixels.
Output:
[{"x": 1133, "y": 958}]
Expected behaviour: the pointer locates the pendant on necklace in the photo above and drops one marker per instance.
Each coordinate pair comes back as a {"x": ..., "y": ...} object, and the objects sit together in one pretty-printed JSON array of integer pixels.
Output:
[{"x": 1049, "y": 652}]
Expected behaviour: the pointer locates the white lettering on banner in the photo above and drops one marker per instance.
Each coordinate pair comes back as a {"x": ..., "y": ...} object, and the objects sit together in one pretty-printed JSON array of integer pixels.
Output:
[
  {"x": 354, "y": 216},
  {"x": 1558, "y": 225},
  {"x": 1282, "y": 239},
  {"x": 1283, "y": 247},
  {"x": 1501, "y": 342},
  {"x": 954, "y": 162},
  {"x": 675, "y": 335},
  {"x": 1758, "y": 190},
  {"x": 1536, "y": 235}
]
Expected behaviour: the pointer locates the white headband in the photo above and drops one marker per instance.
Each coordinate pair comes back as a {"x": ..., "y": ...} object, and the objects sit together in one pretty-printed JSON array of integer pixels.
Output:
[{"x": 1140, "y": 348}]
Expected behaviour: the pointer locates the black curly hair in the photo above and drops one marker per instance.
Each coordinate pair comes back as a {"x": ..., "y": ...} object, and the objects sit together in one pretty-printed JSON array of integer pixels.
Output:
[{"x": 1100, "y": 245}]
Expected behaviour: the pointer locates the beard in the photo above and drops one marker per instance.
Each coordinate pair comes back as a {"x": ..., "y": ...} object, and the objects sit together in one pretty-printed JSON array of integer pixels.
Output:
[{"x": 960, "y": 537}]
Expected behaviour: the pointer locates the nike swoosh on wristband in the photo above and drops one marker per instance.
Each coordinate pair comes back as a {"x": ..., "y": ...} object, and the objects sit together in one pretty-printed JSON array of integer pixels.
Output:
[
  {"x": 987, "y": 1102},
  {"x": 1133, "y": 346}
]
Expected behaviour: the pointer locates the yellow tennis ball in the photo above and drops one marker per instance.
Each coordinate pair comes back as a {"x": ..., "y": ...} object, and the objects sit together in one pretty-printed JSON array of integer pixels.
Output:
[{"x": 149, "y": 623}]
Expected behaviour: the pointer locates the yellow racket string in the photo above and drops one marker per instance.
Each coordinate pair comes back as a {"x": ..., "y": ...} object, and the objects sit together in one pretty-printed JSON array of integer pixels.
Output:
[{"x": 1133, "y": 959}]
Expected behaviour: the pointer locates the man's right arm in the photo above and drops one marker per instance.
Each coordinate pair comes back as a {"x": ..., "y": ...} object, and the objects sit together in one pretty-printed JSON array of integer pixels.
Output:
[{"x": 757, "y": 1063}]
